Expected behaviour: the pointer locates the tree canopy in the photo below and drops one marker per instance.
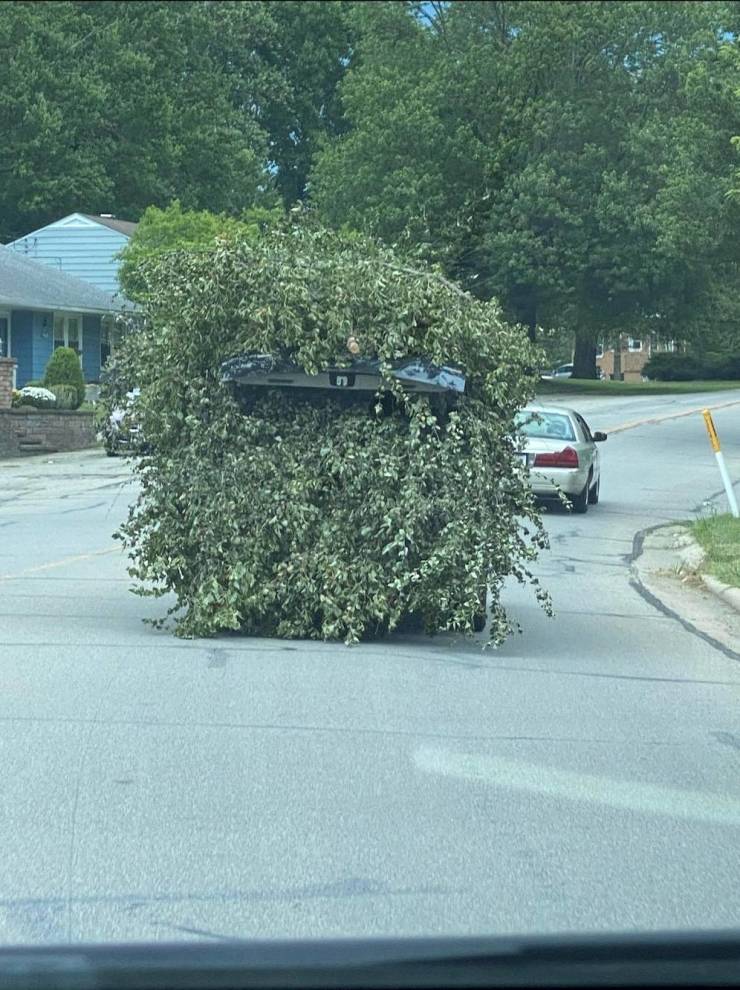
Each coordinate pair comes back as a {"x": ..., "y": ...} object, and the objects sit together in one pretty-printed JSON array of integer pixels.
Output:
[
  {"x": 174, "y": 229},
  {"x": 572, "y": 159},
  {"x": 117, "y": 106}
]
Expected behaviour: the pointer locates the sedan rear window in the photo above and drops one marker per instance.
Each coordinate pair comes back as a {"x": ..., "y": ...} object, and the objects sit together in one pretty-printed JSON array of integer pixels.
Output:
[{"x": 545, "y": 425}]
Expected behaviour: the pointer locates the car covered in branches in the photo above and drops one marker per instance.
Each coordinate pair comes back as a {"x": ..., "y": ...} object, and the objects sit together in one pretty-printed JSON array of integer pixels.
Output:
[
  {"x": 359, "y": 382},
  {"x": 335, "y": 446}
]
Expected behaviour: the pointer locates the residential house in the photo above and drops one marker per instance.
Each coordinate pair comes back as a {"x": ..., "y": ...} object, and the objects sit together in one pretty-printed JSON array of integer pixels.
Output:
[
  {"x": 82, "y": 245},
  {"x": 85, "y": 246},
  {"x": 42, "y": 308},
  {"x": 629, "y": 359}
]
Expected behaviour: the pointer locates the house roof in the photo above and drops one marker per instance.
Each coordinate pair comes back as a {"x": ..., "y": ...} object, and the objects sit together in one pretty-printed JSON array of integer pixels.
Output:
[
  {"x": 126, "y": 227},
  {"x": 28, "y": 284}
]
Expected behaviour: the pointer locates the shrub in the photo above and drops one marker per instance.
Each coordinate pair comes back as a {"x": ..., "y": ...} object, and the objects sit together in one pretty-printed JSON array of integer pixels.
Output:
[
  {"x": 722, "y": 366},
  {"x": 68, "y": 396},
  {"x": 673, "y": 368},
  {"x": 64, "y": 368},
  {"x": 312, "y": 517},
  {"x": 693, "y": 367},
  {"x": 39, "y": 398}
]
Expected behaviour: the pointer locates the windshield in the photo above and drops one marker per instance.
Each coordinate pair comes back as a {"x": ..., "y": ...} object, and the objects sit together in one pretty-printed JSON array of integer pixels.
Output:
[
  {"x": 545, "y": 425},
  {"x": 329, "y": 608}
]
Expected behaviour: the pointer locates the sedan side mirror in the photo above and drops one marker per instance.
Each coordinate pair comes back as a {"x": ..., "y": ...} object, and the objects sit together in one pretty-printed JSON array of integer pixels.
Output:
[{"x": 599, "y": 437}]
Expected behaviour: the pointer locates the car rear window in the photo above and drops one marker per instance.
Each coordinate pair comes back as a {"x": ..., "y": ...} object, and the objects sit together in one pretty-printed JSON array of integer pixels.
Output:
[{"x": 545, "y": 425}]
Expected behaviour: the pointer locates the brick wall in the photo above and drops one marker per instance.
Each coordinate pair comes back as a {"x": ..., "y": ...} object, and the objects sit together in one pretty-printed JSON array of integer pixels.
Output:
[
  {"x": 632, "y": 363},
  {"x": 38, "y": 431},
  {"x": 6, "y": 381}
]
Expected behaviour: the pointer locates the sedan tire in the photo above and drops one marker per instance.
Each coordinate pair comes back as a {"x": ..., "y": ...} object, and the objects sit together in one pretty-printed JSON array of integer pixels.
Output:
[{"x": 579, "y": 503}]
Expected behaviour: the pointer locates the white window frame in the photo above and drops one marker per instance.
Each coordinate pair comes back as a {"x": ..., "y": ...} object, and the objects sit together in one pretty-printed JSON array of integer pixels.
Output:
[
  {"x": 631, "y": 341},
  {"x": 66, "y": 317},
  {"x": 599, "y": 351}
]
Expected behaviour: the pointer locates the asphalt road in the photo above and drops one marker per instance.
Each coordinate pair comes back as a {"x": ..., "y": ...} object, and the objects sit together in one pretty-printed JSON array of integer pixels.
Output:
[{"x": 585, "y": 776}]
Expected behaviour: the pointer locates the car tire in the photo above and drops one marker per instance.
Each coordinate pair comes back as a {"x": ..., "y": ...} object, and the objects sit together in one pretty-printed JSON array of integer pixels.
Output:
[
  {"x": 579, "y": 503},
  {"x": 593, "y": 493}
]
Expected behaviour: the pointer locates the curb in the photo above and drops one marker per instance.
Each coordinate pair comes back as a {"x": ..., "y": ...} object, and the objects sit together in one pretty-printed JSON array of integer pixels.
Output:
[
  {"x": 680, "y": 561},
  {"x": 692, "y": 558},
  {"x": 728, "y": 594}
]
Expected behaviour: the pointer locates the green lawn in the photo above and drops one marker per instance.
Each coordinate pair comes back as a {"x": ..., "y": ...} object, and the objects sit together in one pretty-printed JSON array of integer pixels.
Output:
[
  {"x": 720, "y": 537},
  {"x": 584, "y": 386}
]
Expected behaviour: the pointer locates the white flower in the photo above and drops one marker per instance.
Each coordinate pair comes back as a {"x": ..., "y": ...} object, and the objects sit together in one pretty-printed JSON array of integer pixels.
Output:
[{"x": 35, "y": 392}]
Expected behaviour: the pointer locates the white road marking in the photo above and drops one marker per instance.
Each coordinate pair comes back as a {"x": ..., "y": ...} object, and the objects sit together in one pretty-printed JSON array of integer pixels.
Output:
[{"x": 629, "y": 795}]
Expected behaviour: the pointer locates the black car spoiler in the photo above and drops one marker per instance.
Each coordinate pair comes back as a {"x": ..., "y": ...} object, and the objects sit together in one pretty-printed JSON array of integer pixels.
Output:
[{"x": 415, "y": 373}]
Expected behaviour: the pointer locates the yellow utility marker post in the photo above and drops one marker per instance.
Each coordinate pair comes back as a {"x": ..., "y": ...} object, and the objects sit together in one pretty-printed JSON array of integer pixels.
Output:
[{"x": 714, "y": 440}]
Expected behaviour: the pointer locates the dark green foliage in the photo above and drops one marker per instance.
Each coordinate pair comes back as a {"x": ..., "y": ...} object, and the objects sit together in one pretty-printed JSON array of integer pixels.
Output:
[
  {"x": 64, "y": 368},
  {"x": 693, "y": 367},
  {"x": 116, "y": 106},
  {"x": 314, "y": 518},
  {"x": 572, "y": 159}
]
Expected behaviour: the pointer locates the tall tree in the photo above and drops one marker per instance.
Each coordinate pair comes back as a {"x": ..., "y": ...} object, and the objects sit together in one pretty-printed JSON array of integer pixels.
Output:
[
  {"x": 566, "y": 157},
  {"x": 310, "y": 51},
  {"x": 113, "y": 106}
]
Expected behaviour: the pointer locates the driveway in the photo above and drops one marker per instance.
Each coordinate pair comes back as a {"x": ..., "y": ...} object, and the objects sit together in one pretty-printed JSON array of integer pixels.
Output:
[{"x": 585, "y": 776}]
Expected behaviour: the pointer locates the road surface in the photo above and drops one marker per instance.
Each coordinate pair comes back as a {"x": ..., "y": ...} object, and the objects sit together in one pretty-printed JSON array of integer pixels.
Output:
[{"x": 584, "y": 777}]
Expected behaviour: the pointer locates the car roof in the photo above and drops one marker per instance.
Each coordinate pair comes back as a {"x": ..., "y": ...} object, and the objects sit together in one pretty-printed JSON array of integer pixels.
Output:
[{"x": 540, "y": 408}]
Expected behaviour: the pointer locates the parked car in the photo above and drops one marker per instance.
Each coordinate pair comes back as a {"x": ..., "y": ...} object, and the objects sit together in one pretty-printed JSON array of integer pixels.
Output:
[
  {"x": 561, "y": 453},
  {"x": 562, "y": 371},
  {"x": 121, "y": 432},
  {"x": 566, "y": 371}
]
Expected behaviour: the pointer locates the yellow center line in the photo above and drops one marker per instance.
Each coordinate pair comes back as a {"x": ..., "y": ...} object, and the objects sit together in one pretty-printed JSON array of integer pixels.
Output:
[
  {"x": 674, "y": 415},
  {"x": 58, "y": 563}
]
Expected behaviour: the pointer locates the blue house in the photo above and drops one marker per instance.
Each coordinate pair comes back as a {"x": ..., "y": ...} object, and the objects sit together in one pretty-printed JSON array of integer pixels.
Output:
[
  {"x": 81, "y": 245},
  {"x": 42, "y": 308}
]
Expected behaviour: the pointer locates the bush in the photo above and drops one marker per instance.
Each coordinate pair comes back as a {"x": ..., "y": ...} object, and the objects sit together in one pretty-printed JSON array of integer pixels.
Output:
[
  {"x": 671, "y": 368},
  {"x": 693, "y": 367},
  {"x": 314, "y": 517},
  {"x": 39, "y": 398},
  {"x": 68, "y": 396},
  {"x": 64, "y": 368}
]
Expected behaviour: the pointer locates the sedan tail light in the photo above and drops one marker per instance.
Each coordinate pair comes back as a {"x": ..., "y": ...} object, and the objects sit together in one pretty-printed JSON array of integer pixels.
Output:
[{"x": 567, "y": 458}]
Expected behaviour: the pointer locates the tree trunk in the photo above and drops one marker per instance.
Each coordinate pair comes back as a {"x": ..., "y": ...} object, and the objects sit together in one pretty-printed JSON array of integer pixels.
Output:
[
  {"x": 584, "y": 356},
  {"x": 617, "y": 373}
]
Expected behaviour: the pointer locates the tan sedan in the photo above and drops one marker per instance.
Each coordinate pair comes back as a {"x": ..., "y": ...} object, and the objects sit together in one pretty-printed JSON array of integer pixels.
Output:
[{"x": 561, "y": 454}]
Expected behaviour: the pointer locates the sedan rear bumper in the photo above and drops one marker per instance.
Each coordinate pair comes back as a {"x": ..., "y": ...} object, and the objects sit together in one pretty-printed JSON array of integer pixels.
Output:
[{"x": 546, "y": 484}]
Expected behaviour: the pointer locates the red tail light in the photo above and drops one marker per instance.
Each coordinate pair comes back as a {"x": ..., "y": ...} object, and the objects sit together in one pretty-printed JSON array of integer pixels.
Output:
[{"x": 567, "y": 458}]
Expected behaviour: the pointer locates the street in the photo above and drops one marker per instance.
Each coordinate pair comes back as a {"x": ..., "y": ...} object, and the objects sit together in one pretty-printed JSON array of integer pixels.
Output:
[{"x": 583, "y": 777}]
